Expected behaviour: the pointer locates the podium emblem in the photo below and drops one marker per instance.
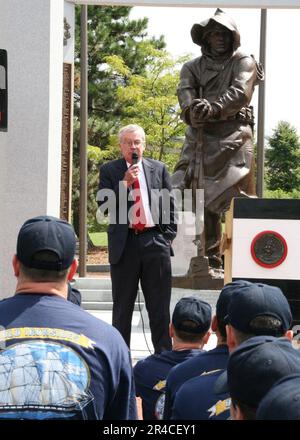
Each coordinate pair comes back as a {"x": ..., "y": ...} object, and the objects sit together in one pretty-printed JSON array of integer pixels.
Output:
[{"x": 269, "y": 249}]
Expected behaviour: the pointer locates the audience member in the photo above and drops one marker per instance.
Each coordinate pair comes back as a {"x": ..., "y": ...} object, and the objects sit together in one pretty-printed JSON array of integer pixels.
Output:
[
  {"x": 254, "y": 309},
  {"x": 257, "y": 309},
  {"x": 205, "y": 362},
  {"x": 253, "y": 368},
  {"x": 60, "y": 362},
  {"x": 189, "y": 331}
]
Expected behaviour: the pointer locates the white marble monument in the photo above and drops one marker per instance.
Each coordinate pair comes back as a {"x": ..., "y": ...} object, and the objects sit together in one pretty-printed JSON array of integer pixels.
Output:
[{"x": 32, "y": 33}]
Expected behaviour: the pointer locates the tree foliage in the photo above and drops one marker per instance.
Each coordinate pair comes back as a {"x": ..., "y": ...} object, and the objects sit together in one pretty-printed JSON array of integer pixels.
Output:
[
  {"x": 150, "y": 100},
  {"x": 110, "y": 32},
  {"x": 280, "y": 194},
  {"x": 283, "y": 159}
]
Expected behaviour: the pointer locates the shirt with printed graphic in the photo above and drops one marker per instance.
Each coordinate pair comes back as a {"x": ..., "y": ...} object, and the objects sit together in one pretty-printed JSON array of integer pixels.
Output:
[{"x": 59, "y": 362}]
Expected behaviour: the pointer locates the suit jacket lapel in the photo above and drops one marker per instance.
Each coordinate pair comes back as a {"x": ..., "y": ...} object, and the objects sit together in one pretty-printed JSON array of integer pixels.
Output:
[{"x": 121, "y": 166}]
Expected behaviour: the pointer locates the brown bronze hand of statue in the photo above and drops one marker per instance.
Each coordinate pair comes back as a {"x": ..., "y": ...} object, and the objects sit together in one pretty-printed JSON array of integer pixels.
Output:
[{"x": 200, "y": 111}]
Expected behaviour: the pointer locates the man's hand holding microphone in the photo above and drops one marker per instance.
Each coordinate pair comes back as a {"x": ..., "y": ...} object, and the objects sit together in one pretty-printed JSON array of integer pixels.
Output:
[{"x": 133, "y": 171}]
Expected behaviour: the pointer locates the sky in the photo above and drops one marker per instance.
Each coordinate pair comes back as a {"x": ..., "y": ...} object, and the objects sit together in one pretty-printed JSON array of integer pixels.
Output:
[{"x": 282, "y": 69}]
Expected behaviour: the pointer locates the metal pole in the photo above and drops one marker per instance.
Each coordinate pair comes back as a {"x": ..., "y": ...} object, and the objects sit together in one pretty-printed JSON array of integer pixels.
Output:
[
  {"x": 83, "y": 142},
  {"x": 261, "y": 109}
]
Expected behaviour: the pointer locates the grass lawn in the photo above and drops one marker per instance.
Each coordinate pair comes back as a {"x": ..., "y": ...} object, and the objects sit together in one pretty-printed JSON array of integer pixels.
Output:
[{"x": 99, "y": 238}]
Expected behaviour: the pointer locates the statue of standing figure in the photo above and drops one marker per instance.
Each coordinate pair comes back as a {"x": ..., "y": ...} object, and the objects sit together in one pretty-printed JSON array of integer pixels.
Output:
[{"x": 214, "y": 93}]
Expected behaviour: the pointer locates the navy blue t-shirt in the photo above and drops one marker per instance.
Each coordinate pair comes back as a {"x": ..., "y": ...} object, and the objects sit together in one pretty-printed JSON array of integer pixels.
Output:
[
  {"x": 59, "y": 362},
  {"x": 150, "y": 379},
  {"x": 206, "y": 361},
  {"x": 196, "y": 400}
]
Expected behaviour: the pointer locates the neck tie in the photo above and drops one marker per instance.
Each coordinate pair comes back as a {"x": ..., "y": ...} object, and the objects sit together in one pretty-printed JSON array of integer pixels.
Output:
[{"x": 139, "y": 216}]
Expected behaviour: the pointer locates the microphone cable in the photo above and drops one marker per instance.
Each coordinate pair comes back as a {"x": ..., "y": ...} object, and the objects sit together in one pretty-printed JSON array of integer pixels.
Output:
[{"x": 142, "y": 319}]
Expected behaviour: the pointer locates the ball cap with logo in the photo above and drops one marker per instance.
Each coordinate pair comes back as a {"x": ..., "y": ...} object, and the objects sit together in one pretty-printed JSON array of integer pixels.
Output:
[
  {"x": 257, "y": 299},
  {"x": 255, "y": 366},
  {"x": 46, "y": 233},
  {"x": 191, "y": 308}
]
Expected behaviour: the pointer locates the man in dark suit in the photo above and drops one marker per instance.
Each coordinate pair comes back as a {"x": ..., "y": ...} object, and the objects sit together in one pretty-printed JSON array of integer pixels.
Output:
[{"x": 136, "y": 192}]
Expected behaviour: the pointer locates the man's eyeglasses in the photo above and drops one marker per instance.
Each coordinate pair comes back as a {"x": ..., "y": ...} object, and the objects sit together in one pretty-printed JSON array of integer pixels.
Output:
[{"x": 136, "y": 143}]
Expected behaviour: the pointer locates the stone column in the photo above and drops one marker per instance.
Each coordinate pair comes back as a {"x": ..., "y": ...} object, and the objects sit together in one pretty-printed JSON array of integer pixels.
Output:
[{"x": 31, "y": 32}]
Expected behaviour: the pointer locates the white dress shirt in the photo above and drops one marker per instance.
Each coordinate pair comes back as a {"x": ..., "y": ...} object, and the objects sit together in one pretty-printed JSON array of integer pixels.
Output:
[{"x": 144, "y": 194}]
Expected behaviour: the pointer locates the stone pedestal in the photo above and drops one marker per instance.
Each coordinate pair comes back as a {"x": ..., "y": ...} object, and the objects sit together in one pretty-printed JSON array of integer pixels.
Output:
[
  {"x": 189, "y": 270},
  {"x": 200, "y": 276},
  {"x": 183, "y": 245}
]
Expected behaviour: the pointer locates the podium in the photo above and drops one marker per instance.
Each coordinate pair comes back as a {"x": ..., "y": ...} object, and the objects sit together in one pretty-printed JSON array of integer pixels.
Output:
[{"x": 262, "y": 244}]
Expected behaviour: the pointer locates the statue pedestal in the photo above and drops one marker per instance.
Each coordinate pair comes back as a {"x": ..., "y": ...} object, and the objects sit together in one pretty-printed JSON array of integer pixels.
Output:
[
  {"x": 200, "y": 276},
  {"x": 183, "y": 244},
  {"x": 189, "y": 270}
]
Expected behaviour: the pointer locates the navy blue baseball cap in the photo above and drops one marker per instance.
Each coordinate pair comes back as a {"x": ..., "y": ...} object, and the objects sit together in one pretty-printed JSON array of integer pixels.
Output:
[
  {"x": 45, "y": 233},
  {"x": 282, "y": 402},
  {"x": 225, "y": 297},
  {"x": 191, "y": 308},
  {"x": 255, "y": 366},
  {"x": 257, "y": 299}
]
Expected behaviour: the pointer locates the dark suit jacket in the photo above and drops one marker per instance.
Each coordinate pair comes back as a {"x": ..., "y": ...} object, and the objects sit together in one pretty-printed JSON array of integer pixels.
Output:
[{"x": 157, "y": 178}]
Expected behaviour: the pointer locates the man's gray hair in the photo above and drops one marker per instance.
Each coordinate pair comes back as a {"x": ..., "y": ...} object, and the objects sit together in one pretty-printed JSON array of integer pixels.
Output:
[{"x": 129, "y": 129}]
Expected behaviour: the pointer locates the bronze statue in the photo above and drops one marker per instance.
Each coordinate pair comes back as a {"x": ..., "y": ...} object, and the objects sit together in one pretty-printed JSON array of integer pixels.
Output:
[{"x": 214, "y": 93}]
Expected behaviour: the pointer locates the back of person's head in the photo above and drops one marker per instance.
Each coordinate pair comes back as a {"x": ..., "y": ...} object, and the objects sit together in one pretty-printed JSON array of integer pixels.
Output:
[
  {"x": 253, "y": 368},
  {"x": 191, "y": 319},
  {"x": 258, "y": 309},
  {"x": 45, "y": 249},
  {"x": 223, "y": 303},
  {"x": 282, "y": 402}
]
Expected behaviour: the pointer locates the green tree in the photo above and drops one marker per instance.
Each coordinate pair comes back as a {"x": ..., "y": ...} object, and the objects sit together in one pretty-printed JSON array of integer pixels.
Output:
[
  {"x": 95, "y": 156},
  {"x": 110, "y": 32},
  {"x": 149, "y": 99},
  {"x": 283, "y": 159}
]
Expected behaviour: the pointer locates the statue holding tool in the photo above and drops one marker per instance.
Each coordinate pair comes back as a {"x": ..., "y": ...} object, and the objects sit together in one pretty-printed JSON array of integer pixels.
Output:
[{"x": 214, "y": 93}]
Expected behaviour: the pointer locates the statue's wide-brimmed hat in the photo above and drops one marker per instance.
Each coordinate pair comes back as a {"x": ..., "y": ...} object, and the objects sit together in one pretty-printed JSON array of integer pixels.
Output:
[{"x": 199, "y": 31}]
